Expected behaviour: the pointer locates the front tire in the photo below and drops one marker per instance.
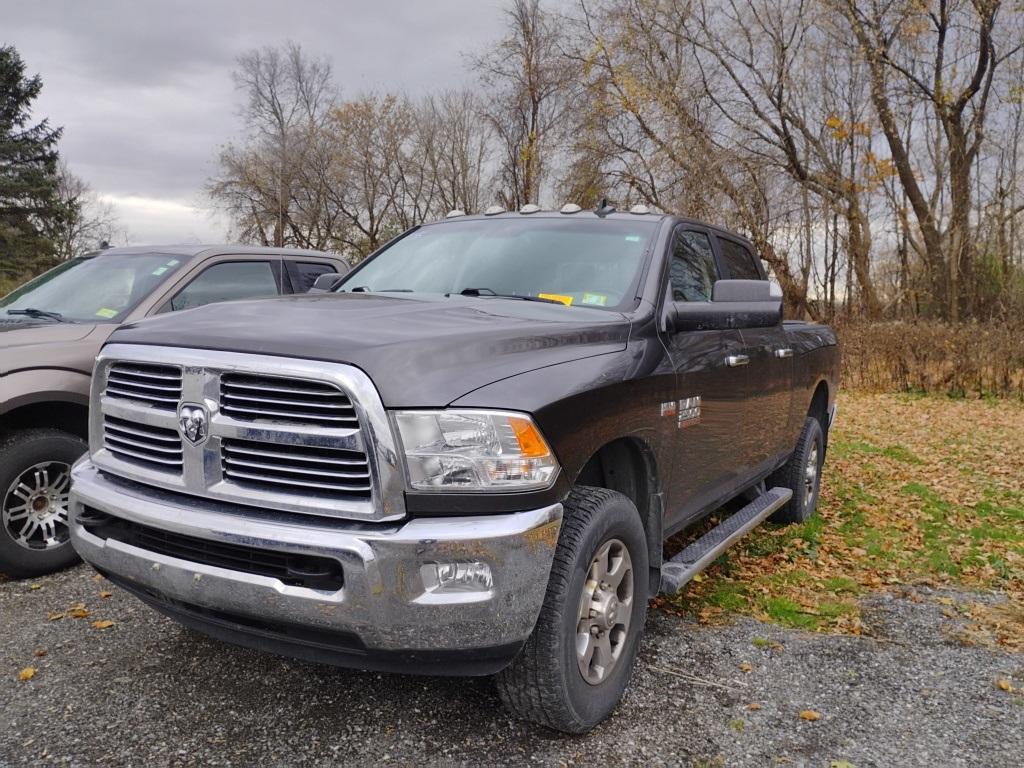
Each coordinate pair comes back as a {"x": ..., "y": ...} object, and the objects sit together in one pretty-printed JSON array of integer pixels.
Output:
[
  {"x": 576, "y": 665},
  {"x": 802, "y": 475},
  {"x": 35, "y": 478}
]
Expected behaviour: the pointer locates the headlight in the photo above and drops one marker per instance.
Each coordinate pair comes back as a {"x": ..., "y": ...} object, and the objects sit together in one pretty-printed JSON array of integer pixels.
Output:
[{"x": 474, "y": 451}]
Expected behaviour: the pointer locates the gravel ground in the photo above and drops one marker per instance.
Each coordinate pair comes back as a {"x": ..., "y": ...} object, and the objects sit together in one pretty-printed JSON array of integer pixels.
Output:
[{"x": 147, "y": 692}]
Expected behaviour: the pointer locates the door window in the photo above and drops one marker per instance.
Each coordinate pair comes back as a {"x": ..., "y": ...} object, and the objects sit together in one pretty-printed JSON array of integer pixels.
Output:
[
  {"x": 226, "y": 281},
  {"x": 739, "y": 261},
  {"x": 692, "y": 271},
  {"x": 305, "y": 273}
]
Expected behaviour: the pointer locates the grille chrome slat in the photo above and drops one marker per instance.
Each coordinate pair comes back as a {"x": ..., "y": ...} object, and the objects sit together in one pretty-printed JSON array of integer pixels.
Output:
[
  {"x": 159, "y": 386},
  {"x": 296, "y": 470},
  {"x": 283, "y": 468},
  {"x": 114, "y": 438},
  {"x": 298, "y": 483},
  {"x": 150, "y": 447},
  {"x": 294, "y": 456},
  {"x": 251, "y": 397}
]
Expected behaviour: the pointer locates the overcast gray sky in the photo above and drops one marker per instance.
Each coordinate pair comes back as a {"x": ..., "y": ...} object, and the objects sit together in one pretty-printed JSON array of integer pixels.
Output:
[{"x": 144, "y": 89}]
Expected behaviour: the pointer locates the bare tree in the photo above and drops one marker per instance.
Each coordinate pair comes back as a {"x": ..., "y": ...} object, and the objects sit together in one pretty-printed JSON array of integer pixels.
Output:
[
  {"x": 529, "y": 93},
  {"x": 89, "y": 221},
  {"x": 262, "y": 182}
]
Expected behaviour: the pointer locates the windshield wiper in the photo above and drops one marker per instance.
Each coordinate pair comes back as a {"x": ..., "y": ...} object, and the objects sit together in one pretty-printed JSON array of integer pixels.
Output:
[
  {"x": 368, "y": 289},
  {"x": 488, "y": 292},
  {"x": 32, "y": 312}
]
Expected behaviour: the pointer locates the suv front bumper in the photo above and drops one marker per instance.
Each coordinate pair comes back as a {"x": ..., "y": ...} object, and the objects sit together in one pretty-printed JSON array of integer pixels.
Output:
[{"x": 383, "y": 617}]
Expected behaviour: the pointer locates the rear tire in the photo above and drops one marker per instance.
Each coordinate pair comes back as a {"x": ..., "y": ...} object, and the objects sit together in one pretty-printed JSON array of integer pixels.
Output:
[
  {"x": 576, "y": 665},
  {"x": 802, "y": 475},
  {"x": 35, "y": 466}
]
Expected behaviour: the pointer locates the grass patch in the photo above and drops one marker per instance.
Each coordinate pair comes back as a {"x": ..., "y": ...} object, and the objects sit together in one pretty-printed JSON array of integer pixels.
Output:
[{"x": 916, "y": 489}]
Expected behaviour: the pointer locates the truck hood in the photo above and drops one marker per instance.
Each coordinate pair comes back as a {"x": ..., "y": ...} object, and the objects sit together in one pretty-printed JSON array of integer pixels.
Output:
[
  {"x": 421, "y": 351},
  {"x": 46, "y": 345}
]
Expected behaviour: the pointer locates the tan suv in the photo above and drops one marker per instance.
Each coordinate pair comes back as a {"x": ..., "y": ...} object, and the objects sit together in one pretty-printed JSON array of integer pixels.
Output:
[{"x": 50, "y": 332}]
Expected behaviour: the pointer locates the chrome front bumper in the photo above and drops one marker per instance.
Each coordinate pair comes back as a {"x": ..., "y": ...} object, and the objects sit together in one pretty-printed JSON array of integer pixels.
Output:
[{"x": 384, "y": 604}]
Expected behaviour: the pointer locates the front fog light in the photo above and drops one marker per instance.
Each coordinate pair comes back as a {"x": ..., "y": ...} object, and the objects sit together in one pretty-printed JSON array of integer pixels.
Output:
[
  {"x": 474, "y": 451},
  {"x": 456, "y": 577}
]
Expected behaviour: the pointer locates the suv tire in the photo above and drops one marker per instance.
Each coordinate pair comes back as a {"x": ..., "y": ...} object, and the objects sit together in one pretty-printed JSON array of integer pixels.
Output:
[
  {"x": 802, "y": 475},
  {"x": 560, "y": 678},
  {"x": 35, "y": 467}
]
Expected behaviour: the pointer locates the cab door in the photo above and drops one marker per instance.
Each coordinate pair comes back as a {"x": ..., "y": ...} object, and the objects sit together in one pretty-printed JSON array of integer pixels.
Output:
[
  {"x": 708, "y": 408},
  {"x": 768, "y": 363}
]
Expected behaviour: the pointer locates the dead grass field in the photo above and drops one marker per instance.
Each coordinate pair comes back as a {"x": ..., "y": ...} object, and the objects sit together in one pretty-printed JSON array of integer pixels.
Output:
[{"x": 917, "y": 490}]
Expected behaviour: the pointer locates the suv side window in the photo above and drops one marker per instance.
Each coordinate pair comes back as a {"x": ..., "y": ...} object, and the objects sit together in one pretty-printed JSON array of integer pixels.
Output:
[
  {"x": 225, "y": 281},
  {"x": 692, "y": 271},
  {"x": 739, "y": 261},
  {"x": 304, "y": 273}
]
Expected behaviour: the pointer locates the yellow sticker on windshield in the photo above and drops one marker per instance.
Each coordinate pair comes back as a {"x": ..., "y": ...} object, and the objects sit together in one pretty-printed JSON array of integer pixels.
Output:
[
  {"x": 594, "y": 299},
  {"x": 567, "y": 300},
  {"x": 107, "y": 313}
]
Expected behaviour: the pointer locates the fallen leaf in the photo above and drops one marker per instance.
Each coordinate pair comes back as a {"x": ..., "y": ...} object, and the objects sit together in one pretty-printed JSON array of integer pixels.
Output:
[
  {"x": 39, "y": 653},
  {"x": 104, "y": 593},
  {"x": 810, "y": 714},
  {"x": 841, "y": 764},
  {"x": 745, "y": 667},
  {"x": 35, "y": 586},
  {"x": 27, "y": 674},
  {"x": 753, "y": 707},
  {"x": 102, "y": 624},
  {"x": 78, "y": 611},
  {"x": 98, "y": 577},
  {"x": 55, "y": 615},
  {"x": 1004, "y": 685},
  {"x": 699, "y": 578}
]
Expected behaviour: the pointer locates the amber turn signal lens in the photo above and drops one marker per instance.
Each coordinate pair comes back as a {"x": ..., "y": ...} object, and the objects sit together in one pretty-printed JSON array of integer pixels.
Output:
[{"x": 531, "y": 443}]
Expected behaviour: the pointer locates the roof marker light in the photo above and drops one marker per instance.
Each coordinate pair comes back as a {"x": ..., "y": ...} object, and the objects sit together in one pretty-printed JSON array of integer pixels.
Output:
[
  {"x": 529, "y": 208},
  {"x": 455, "y": 213},
  {"x": 639, "y": 209},
  {"x": 570, "y": 208},
  {"x": 494, "y": 210}
]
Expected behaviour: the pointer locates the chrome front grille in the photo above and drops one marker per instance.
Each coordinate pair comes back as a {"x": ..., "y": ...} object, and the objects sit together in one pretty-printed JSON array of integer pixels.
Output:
[
  {"x": 156, "y": 448},
  {"x": 158, "y": 386},
  {"x": 288, "y": 401},
  {"x": 320, "y": 471},
  {"x": 274, "y": 433}
]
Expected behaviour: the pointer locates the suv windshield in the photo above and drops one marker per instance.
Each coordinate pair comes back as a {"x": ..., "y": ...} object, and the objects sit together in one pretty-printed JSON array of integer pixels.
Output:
[
  {"x": 588, "y": 262},
  {"x": 92, "y": 289}
]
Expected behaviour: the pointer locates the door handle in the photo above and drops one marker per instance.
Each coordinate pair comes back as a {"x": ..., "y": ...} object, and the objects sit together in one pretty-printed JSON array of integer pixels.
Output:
[
  {"x": 784, "y": 352},
  {"x": 734, "y": 360}
]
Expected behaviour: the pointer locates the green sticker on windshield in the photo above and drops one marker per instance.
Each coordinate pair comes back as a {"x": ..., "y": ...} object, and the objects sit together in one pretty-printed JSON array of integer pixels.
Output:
[
  {"x": 159, "y": 271},
  {"x": 107, "y": 313},
  {"x": 632, "y": 238},
  {"x": 173, "y": 263},
  {"x": 594, "y": 299}
]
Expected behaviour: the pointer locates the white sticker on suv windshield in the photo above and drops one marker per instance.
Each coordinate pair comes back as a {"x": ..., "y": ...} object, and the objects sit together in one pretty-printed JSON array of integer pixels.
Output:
[
  {"x": 159, "y": 270},
  {"x": 632, "y": 238}
]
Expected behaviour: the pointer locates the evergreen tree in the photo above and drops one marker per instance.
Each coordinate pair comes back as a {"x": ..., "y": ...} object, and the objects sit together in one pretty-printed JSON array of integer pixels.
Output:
[{"x": 29, "y": 202}]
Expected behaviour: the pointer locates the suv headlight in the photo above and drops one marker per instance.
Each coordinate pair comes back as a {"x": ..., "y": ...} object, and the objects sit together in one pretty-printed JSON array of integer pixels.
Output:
[{"x": 471, "y": 450}]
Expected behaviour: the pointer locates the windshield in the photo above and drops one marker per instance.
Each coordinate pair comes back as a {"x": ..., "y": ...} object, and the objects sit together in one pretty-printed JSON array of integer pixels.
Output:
[
  {"x": 583, "y": 262},
  {"x": 92, "y": 288}
]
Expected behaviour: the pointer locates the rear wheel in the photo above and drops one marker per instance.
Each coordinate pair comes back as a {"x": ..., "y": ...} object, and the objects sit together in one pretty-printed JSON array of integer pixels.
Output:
[
  {"x": 802, "y": 475},
  {"x": 576, "y": 665},
  {"x": 35, "y": 479}
]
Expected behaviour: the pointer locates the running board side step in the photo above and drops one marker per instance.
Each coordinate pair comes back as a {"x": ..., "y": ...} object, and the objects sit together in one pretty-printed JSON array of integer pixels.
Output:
[{"x": 675, "y": 573}]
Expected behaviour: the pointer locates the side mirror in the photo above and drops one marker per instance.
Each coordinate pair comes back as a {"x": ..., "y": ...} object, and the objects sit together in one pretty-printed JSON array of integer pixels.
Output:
[
  {"x": 327, "y": 282},
  {"x": 734, "y": 304}
]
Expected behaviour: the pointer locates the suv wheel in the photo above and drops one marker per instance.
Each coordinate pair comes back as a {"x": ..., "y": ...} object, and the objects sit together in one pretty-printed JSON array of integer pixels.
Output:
[
  {"x": 35, "y": 478},
  {"x": 576, "y": 665},
  {"x": 802, "y": 475}
]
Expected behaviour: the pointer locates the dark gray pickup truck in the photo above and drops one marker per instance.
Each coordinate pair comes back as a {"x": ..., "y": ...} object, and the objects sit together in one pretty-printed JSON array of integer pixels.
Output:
[
  {"x": 465, "y": 458},
  {"x": 50, "y": 331}
]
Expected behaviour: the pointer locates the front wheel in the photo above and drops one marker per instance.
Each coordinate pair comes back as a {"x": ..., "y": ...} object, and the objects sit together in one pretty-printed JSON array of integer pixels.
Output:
[
  {"x": 576, "y": 665},
  {"x": 35, "y": 478}
]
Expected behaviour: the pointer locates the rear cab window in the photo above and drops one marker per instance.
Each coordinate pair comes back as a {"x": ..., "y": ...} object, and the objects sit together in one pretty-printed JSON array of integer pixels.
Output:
[
  {"x": 738, "y": 261},
  {"x": 303, "y": 274}
]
